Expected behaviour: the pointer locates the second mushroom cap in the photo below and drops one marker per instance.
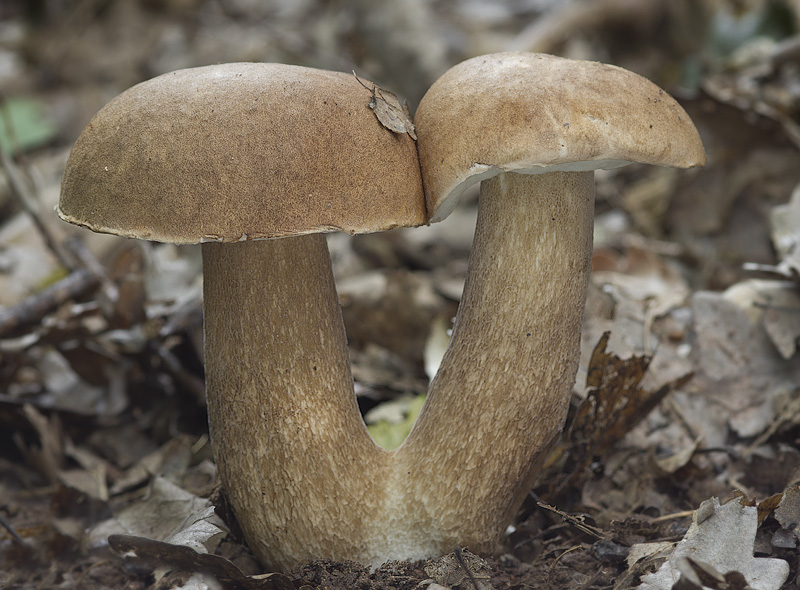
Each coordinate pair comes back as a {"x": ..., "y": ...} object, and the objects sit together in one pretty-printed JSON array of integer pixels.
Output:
[{"x": 535, "y": 113}]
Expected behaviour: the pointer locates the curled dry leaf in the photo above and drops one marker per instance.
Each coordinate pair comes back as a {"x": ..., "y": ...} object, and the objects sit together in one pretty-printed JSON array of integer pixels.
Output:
[
  {"x": 616, "y": 401},
  {"x": 389, "y": 111},
  {"x": 168, "y": 513}
]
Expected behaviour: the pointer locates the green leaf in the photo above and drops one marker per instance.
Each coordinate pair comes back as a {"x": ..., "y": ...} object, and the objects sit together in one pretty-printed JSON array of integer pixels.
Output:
[
  {"x": 390, "y": 422},
  {"x": 23, "y": 125}
]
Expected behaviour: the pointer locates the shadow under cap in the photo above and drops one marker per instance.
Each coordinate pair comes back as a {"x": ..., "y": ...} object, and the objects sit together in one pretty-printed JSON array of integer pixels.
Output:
[{"x": 534, "y": 113}]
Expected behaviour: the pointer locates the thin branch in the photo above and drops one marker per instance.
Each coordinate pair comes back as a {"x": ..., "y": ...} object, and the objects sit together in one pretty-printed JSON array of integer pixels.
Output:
[
  {"x": 28, "y": 201},
  {"x": 35, "y": 307}
]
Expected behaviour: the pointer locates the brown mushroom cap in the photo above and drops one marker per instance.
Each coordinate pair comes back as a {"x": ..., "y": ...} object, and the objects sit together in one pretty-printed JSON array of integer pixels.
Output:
[
  {"x": 535, "y": 113},
  {"x": 241, "y": 151}
]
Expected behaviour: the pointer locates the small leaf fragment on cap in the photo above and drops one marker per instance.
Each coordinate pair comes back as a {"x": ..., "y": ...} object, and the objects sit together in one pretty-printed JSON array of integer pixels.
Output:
[{"x": 387, "y": 109}]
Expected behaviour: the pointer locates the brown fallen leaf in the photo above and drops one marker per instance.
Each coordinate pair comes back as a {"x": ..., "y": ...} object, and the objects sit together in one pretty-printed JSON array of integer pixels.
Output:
[
  {"x": 767, "y": 506},
  {"x": 614, "y": 405},
  {"x": 389, "y": 111},
  {"x": 616, "y": 402}
]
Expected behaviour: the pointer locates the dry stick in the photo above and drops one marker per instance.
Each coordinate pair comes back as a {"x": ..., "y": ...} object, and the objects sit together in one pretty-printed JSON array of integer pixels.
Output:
[
  {"x": 673, "y": 516},
  {"x": 72, "y": 255},
  {"x": 84, "y": 257},
  {"x": 463, "y": 564},
  {"x": 28, "y": 201},
  {"x": 7, "y": 525},
  {"x": 35, "y": 307},
  {"x": 576, "y": 521},
  {"x": 89, "y": 274},
  {"x": 787, "y": 413}
]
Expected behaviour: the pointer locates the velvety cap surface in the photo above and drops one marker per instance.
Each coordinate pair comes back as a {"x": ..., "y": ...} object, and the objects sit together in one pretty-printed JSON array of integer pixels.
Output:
[
  {"x": 241, "y": 151},
  {"x": 535, "y": 113}
]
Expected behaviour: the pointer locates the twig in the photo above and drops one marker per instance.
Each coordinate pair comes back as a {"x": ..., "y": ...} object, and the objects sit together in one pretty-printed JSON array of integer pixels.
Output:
[
  {"x": 29, "y": 203},
  {"x": 673, "y": 516},
  {"x": 35, "y": 307},
  {"x": 14, "y": 535},
  {"x": 784, "y": 415},
  {"x": 83, "y": 256},
  {"x": 576, "y": 521},
  {"x": 463, "y": 564}
]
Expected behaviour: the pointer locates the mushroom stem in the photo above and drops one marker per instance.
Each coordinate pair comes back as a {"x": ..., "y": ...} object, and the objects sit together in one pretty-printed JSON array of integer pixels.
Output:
[
  {"x": 293, "y": 454},
  {"x": 502, "y": 391}
]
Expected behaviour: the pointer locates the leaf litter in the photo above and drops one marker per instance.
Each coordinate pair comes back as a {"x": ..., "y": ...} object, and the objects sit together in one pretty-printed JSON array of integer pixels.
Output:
[{"x": 721, "y": 538}]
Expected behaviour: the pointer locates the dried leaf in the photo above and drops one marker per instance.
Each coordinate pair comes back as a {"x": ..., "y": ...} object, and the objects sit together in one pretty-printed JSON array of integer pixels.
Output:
[
  {"x": 788, "y": 515},
  {"x": 642, "y": 276},
  {"x": 702, "y": 575},
  {"x": 170, "y": 460},
  {"x": 389, "y": 111},
  {"x": 782, "y": 317},
  {"x": 169, "y": 513},
  {"x": 734, "y": 357},
  {"x": 679, "y": 460},
  {"x": 648, "y": 551},
  {"x": 767, "y": 506},
  {"x": 186, "y": 559},
  {"x": 785, "y": 220},
  {"x": 615, "y": 403},
  {"x": 722, "y": 537},
  {"x": 460, "y": 568}
]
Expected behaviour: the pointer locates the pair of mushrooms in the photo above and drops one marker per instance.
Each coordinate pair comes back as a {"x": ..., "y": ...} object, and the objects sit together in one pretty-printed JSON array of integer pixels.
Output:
[{"x": 233, "y": 155}]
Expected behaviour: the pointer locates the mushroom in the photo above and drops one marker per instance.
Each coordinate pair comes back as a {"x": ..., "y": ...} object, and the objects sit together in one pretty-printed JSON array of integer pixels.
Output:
[
  {"x": 235, "y": 155},
  {"x": 232, "y": 156},
  {"x": 531, "y": 128}
]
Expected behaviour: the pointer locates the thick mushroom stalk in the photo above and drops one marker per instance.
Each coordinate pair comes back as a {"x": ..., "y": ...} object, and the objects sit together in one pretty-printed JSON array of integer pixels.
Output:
[
  {"x": 502, "y": 390},
  {"x": 289, "y": 440},
  {"x": 531, "y": 128}
]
